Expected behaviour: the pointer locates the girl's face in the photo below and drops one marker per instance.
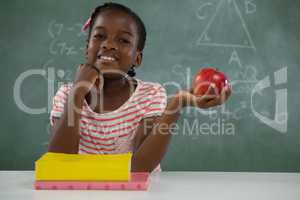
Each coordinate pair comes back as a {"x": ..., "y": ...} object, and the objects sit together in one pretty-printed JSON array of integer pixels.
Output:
[{"x": 113, "y": 43}]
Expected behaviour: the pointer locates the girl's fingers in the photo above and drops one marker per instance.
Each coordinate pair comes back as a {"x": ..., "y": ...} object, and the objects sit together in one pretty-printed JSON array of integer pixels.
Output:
[
  {"x": 204, "y": 101},
  {"x": 207, "y": 101},
  {"x": 212, "y": 90},
  {"x": 223, "y": 96},
  {"x": 214, "y": 102},
  {"x": 210, "y": 94},
  {"x": 226, "y": 93},
  {"x": 206, "y": 98},
  {"x": 210, "y": 98}
]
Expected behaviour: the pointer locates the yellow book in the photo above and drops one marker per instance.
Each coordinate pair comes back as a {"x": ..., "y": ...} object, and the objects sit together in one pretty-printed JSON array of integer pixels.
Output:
[{"x": 82, "y": 167}]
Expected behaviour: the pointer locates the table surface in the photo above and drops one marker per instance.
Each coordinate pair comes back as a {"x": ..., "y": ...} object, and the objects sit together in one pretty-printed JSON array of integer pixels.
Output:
[{"x": 168, "y": 185}]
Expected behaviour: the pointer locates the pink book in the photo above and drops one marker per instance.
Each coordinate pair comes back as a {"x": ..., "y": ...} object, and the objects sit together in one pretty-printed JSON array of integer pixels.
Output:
[{"x": 138, "y": 181}]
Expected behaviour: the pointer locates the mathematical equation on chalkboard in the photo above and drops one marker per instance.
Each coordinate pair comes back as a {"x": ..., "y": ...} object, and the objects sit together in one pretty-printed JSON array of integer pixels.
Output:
[{"x": 59, "y": 45}]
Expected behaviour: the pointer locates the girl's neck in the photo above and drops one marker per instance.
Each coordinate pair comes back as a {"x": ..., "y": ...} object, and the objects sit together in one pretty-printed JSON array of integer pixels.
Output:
[
  {"x": 114, "y": 94},
  {"x": 115, "y": 86}
]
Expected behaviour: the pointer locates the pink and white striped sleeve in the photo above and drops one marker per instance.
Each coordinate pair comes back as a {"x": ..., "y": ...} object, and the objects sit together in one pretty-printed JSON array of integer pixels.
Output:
[
  {"x": 158, "y": 102},
  {"x": 58, "y": 102}
]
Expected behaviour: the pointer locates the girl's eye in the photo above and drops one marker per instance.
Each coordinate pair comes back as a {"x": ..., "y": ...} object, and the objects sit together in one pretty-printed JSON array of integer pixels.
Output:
[
  {"x": 99, "y": 36},
  {"x": 123, "y": 40}
]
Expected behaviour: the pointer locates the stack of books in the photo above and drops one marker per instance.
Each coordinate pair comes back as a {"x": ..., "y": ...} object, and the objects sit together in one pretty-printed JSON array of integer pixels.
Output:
[{"x": 81, "y": 171}]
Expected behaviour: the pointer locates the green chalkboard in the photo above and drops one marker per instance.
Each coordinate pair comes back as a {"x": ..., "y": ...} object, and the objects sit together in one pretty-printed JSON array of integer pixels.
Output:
[{"x": 256, "y": 43}]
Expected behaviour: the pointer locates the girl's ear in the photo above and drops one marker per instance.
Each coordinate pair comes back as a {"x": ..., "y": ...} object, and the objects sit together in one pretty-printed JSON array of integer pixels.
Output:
[{"x": 138, "y": 58}]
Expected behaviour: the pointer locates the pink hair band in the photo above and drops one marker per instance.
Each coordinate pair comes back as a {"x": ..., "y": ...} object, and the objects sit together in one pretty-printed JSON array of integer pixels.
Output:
[{"x": 87, "y": 24}]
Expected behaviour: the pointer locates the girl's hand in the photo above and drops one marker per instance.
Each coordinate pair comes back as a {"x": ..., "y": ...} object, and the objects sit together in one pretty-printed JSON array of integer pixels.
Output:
[
  {"x": 210, "y": 99},
  {"x": 86, "y": 75}
]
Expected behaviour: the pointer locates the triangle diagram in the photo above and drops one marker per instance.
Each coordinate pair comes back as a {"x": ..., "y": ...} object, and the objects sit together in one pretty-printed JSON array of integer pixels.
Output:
[{"x": 226, "y": 28}]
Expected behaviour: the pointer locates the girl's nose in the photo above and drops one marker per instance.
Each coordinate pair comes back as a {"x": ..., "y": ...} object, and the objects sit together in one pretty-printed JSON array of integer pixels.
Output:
[{"x": 109, "y": 44}]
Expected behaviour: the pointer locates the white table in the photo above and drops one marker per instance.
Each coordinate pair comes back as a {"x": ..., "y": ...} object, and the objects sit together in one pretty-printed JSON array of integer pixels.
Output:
[{"x": 168, "y": 185}]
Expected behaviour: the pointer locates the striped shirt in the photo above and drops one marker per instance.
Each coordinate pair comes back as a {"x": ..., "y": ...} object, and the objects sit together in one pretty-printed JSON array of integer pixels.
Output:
[{"x": 113, "y": 132}]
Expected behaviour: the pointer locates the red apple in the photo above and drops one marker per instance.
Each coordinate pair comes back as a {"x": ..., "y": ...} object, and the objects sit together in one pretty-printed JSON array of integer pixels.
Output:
[{"x": 207, "y": 77}]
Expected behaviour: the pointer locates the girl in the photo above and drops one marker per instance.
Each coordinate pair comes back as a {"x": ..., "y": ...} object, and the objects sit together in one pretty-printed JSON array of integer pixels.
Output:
[{"x": 106, "y": 110}]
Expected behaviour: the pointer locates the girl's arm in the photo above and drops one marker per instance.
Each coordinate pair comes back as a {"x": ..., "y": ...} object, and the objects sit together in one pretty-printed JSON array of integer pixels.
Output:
[
  {"x": 65, "y": 138},
  {"x": 65, "y": 132},
  {"x": 151, "y": 143},
  {"x": 153, "y": 137}
]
